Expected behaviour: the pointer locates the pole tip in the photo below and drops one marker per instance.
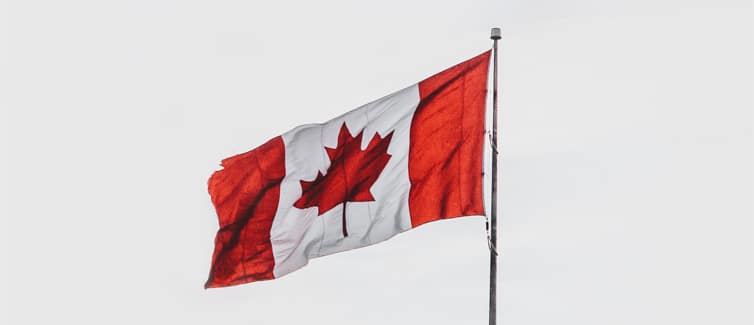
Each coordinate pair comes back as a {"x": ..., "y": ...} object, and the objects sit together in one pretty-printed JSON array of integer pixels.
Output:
[{"x": 495, "y": 34}]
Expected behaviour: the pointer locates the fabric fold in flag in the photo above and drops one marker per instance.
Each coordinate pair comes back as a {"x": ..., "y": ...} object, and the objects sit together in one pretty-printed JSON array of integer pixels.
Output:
[{"x": 412, "y": 157}]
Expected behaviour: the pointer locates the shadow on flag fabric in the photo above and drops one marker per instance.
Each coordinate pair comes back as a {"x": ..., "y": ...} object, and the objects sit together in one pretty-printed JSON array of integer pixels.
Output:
[{"x": 409, "y": 158}]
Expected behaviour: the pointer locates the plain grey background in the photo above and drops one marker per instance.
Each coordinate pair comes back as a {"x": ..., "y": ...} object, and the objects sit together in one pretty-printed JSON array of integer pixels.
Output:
[{"x": 626, "y": 172}]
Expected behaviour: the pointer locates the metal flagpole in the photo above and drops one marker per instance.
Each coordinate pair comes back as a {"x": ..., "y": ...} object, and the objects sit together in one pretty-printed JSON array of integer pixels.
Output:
[{"x": 495, "y": 36}]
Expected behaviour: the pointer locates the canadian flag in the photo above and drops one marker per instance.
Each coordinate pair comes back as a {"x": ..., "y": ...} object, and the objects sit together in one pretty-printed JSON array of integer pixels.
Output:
[{"x": 406, "y": 159}]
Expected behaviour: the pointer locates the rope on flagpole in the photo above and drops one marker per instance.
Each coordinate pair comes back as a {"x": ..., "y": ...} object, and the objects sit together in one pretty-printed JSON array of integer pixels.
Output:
[
  {"x": 491, "y": 246},
  {"x": 492, "y": 145}
]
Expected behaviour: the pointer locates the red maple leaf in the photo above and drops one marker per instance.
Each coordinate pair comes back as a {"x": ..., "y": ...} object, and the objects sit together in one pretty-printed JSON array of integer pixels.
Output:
[{"x": 351, "y": 174}]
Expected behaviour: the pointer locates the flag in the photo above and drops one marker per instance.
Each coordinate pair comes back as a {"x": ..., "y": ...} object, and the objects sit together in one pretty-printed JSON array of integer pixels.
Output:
[{"x": 409, "y": 158}]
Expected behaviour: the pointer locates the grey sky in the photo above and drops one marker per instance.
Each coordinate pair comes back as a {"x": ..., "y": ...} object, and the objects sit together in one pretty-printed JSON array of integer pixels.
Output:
[{"x": 626, "y": 172}]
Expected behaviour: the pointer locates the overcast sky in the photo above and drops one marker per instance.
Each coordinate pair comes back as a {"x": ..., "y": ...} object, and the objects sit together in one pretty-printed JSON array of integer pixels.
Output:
[{"x": 626, "y": 172}]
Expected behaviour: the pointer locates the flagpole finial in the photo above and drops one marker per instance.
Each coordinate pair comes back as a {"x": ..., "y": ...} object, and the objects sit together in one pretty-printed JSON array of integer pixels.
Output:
[{"x": 495, "y": 34}]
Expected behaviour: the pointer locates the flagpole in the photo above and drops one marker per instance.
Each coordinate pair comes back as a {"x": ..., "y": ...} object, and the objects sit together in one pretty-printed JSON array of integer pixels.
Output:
[{"x": 495, "y": 35}]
